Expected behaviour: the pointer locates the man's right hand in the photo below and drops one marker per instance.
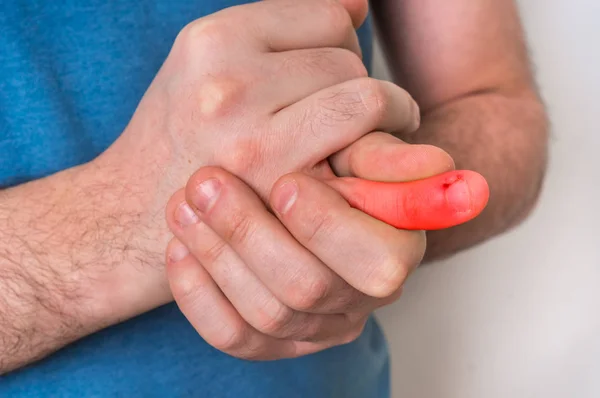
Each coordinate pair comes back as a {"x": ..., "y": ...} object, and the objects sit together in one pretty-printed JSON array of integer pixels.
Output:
[{"x": 261, "y": 90}]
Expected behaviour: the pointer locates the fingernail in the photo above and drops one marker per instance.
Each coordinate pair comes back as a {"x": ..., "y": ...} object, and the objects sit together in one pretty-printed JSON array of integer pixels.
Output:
[
  {"x": 207, "y": 194},
  {"x": 286, "y": 196},
  {"x": 185, "y": 216},
  {"x": 177, "y": 251},
  {"x": 458, "y": 196}
]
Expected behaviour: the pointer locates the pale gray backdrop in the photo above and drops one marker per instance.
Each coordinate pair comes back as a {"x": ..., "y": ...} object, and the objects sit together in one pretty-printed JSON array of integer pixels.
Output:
[{"x": 518, "y": 316}]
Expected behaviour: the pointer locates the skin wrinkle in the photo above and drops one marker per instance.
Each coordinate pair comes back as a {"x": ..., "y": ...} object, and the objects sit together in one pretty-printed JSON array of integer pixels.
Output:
[{"x": 330, "y": 109}]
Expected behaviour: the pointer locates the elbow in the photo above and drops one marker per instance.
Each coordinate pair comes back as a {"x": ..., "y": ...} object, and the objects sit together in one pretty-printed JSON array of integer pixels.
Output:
[
  {"x": 535, "y": 164},
  {"x": 530, "y": 202}
]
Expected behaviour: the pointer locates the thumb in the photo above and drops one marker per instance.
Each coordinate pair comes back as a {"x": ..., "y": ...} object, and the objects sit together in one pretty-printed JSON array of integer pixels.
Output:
[
  {"x": 382, "y": 157},
  {"x": 437, "y": 202}
]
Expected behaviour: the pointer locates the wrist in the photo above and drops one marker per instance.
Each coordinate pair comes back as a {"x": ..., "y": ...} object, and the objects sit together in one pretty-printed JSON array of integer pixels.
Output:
[{"x": 125, "y": 236}]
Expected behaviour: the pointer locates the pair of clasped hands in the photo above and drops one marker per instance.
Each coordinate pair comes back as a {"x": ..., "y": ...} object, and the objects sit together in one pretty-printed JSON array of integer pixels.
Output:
[{"x": 307, "y": 213}]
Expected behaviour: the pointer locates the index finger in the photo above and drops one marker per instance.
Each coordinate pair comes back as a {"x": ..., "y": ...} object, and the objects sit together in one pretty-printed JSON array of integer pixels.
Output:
[{"x": 373, "y": 257}]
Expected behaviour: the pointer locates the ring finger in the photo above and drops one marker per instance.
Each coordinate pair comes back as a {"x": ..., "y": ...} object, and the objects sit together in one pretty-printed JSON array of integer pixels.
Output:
[{"x": 212, "y": 315}]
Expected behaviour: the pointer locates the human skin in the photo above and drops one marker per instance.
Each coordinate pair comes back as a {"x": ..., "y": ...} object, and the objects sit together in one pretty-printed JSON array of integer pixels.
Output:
[
  {"x": 84, "y": 248},
  {"x": 478, "y": 102},
  {"x": 466, "y": 64},
  {"x": 312, "y": 286},
  {"x": 442, "y": 201}
]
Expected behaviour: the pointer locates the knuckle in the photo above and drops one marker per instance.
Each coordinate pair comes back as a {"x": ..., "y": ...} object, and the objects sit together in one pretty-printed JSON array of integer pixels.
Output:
[
  {"x": 231, "y": 339},
  {"x": 336, "y": 15},
  {"x": 242, "y": 157},
  {"x": 185, "y": 291},
  {"x": 240, "y": 227},
  {"x": 390, "y": 278},
  {"x": 212, "y": 99},
  {"x": 188, "y": 289},
  {"x": 275, "y": 321},
  {"x": 204, "y": 34},
  {"x": 212, "y": 253},
  {"x": 307, "y": 294},
  {"x": 374, "y": 98},
  {"x": 395, "y": 265},
  {"x": 218, "y": 95}
]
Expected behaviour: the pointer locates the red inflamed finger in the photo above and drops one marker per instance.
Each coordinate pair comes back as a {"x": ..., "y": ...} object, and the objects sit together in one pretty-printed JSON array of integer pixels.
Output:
[{"x": 437, "y": 202}]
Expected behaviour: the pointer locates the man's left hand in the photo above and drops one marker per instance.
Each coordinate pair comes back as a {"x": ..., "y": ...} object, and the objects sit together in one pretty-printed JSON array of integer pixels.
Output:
[{"x": 258, "y": 284}]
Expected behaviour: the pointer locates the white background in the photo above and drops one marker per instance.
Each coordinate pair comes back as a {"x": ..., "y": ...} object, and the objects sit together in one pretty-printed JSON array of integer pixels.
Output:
[{"x": 518, "y": 316}]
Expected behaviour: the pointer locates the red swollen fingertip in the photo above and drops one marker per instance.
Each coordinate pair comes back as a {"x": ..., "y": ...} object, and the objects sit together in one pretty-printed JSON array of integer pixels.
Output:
[
  {"x": 458, "y": 194},
  {"x": 480, "y": 190},
  {"x": 437, "y": 202},
  {"x": 478, "y": 187}
]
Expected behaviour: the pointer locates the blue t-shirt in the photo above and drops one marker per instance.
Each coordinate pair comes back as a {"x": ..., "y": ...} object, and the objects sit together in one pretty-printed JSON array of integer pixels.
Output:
[{"x": 71, "y": 75}]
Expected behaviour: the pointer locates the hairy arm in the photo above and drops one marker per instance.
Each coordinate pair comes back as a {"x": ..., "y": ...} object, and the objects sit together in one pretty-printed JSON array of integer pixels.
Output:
[
  {"x": 71, "y": 261},
  {"x": 465, "y": 62}
]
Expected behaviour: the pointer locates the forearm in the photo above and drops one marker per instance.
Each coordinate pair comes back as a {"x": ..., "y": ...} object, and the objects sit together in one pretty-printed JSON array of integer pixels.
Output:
[
  {"x": 466, "y": 64},
  {"x": 503, "y": 137},
  {"x": 68, "y": 255}
]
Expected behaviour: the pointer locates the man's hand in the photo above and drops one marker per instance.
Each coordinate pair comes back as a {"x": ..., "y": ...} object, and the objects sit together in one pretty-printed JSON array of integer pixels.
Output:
[
  {"x": 261, "y": 90},
  {"x": 264, "y": 285}
]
